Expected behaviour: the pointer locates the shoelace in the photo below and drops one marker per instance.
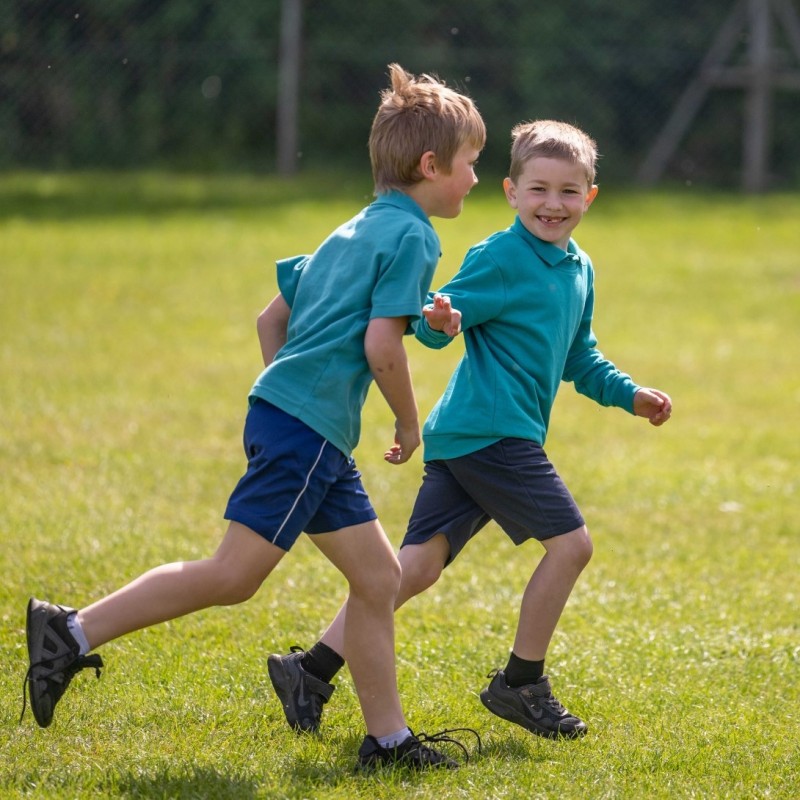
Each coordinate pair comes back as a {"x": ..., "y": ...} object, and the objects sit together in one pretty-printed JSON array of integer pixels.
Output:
[
  {"x": 444, "y": 736},
  {"x": 552, "y": 702},
  {"x": 81, "y": 662}
]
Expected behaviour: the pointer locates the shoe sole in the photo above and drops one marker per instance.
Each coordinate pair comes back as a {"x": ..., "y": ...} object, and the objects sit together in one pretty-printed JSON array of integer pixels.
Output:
[
  {"x": 35, "y": 624},
  {"x": 510, "y": 714},
  {"x": 282, "y": 684}
]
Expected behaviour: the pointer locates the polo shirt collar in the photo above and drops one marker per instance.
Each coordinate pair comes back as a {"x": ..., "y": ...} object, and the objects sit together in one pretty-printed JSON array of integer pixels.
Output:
[
  {"x": 403, "y": 201},
  {"x": 549, "y": 253}
]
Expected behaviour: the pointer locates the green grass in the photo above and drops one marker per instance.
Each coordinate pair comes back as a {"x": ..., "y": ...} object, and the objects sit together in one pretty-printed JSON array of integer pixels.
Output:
[{"x": 127, "y": 347}]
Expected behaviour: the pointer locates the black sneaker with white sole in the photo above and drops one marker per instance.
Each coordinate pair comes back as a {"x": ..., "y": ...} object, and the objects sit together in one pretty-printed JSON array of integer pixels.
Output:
[
  {"x": 54, "y": 658},
  {"x": 532, "y": 706},
  {"x": 414, "y": 752},
  {"x": 302, "y": 694}
]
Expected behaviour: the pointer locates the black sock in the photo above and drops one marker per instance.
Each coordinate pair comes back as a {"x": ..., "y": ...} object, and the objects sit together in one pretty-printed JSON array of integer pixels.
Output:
[
  {"x": 322, "y": 662},
  {"x": 520, "y": 672}
]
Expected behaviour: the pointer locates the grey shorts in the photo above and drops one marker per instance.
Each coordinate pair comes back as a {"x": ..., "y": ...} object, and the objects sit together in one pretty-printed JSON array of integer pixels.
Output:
[{"x": 511, "y": 482}]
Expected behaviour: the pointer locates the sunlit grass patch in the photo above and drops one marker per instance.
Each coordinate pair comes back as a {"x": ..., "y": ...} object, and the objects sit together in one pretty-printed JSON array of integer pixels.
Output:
[{"x": 127, "y": 348}]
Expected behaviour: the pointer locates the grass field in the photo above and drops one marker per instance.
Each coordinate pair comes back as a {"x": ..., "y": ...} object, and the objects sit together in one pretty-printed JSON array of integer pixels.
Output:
[{"x": 127, "y": 347}]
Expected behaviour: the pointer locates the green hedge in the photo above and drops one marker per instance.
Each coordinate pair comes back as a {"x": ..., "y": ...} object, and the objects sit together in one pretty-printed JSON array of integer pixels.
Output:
[{"x": 183, "y": 83}]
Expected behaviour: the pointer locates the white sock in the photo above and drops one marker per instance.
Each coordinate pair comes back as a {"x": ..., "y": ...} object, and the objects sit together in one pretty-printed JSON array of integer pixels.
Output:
[
  {"x": 394, "y": 739},
  {"x": 75, "y": 629}
]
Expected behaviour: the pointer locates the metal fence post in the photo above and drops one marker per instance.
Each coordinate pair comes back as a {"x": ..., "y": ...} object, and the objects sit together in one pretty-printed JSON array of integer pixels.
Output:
[{"x": 289, "y": 85}]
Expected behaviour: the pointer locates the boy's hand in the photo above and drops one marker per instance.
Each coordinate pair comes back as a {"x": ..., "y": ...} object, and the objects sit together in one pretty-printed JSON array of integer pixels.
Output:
[
  {"x": 441, "y": 316},
  {"x": 652, "y": 404},
  {"x": 407, "y": 439}
]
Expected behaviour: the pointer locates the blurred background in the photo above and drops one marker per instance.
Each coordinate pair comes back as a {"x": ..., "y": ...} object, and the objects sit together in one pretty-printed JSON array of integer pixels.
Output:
[{"x": 692, "y": 92}]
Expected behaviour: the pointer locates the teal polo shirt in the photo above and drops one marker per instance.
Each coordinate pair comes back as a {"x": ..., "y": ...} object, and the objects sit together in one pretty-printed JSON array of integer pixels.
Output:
[
  {"x": 526, "y": 310},
  {"x": 378, "y": 264}
]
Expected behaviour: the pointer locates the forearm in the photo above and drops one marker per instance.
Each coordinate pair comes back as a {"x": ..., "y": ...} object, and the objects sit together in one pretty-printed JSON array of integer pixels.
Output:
[
  {"x": 596, "y": 377},
  {"x": 388, "y": 361},
  {"x": 272, "y": 325}
]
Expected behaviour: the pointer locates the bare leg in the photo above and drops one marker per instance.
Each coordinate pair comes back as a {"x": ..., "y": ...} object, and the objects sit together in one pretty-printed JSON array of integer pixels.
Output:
[
  {"x": 548, "y": 590},
  {"x": 422, "y": 564},
  {"x": 232, "y": 575},
  {"x": 365, "y": 634}
]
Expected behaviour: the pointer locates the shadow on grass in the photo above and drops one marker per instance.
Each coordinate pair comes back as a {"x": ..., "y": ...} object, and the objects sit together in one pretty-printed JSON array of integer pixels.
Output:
[
  {"x": 200, "y": 782},
  {"x": 511, "y": 748},
  {"x": 318, "y": 769}
]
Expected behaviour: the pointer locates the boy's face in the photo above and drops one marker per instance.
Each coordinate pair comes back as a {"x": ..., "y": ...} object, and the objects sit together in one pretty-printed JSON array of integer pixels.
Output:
[
  {"x": 451, "y": 188},
  {"x": 551, "y": 196}
]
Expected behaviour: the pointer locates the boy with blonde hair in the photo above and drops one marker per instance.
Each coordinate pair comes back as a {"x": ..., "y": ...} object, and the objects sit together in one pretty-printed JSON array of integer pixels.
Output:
[
  {"x": 336, "y": 324},
  {"x": 524, "y": 298}
]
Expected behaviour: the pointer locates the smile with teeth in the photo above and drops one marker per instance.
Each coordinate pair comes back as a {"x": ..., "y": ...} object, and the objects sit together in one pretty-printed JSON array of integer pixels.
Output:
[{"x": 550, "y": 220}]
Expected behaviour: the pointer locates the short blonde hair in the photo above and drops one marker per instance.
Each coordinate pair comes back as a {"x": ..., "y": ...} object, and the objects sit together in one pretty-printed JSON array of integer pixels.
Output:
[
  {"x": 417, "y": 115},
  {"x": 547, "y": 138}
]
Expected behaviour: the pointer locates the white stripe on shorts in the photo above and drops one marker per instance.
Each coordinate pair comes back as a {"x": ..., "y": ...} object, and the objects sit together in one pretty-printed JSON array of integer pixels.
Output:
[{"x": 302, "y": 492}]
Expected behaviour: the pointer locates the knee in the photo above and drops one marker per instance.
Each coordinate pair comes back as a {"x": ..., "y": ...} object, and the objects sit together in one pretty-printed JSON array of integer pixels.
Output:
[
  {"x": 582, "y": 547},
  {"x": 234, "y": 586},
  {"x": 573, "y": 550},
  {"x": 419, "y": 576},
  {"x": 379, "y": 584}
]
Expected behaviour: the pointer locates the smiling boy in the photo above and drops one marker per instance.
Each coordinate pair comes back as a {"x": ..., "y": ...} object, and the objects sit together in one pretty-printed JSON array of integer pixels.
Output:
[{"x": 525, "y": 300}]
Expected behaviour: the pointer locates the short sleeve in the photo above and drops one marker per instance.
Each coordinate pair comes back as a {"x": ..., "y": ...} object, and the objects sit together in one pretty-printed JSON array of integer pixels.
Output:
[
  {"x": 289, "y": 272},
  {"x": 403, "y": 282}
]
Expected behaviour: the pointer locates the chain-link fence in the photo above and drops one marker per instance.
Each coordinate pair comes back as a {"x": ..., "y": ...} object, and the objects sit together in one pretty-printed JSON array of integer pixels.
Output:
[{"x": 194, "y": 83}]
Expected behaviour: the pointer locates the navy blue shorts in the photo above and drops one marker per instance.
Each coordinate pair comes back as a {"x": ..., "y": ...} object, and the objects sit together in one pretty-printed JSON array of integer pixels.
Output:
[
  {"x": 511, "y": 482},
  {"x": 295, "y": 481}
]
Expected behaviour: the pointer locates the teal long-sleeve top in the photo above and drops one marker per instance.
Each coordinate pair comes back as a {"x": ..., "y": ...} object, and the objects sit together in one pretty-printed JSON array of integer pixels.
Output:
[{"x": 527, "y": 309}]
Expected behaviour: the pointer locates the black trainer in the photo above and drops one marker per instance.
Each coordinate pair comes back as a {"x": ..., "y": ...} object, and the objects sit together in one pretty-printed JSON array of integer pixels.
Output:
[
  {"x": 54, "y": 657},
  {"x": 413, "y": 752},
  {"x": 533, "y": 706},
  {"x": 302, "y": 694}
]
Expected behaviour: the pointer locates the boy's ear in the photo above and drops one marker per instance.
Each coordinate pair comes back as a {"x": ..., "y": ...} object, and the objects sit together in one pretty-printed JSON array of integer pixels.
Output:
[
  {"x": 591, "y": 196},
  {"x": 427, "y": 164},
  {"x": 511, "y": 192}
]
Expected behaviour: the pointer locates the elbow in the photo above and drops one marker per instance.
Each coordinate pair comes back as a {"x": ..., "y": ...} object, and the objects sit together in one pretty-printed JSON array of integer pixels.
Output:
[
  {"x": 376, "y": 359},
  {"x": 269, "y": 326},
  {"x": 376, "y": 345},
  {"x": 261, "y": 320}
]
